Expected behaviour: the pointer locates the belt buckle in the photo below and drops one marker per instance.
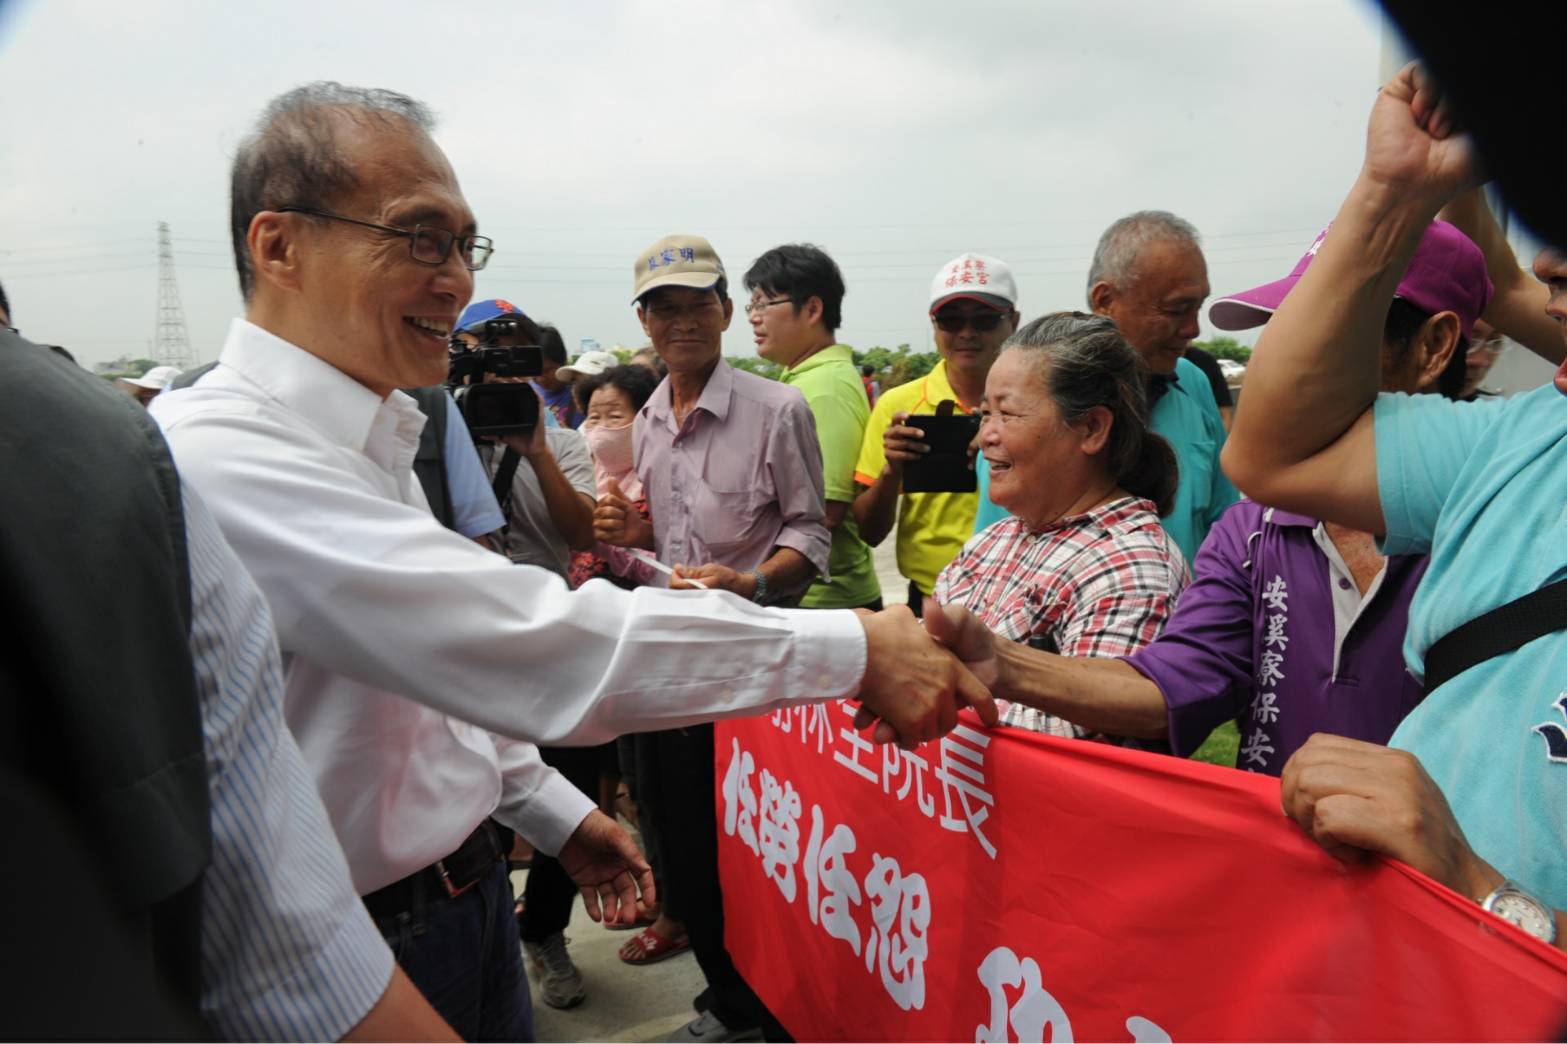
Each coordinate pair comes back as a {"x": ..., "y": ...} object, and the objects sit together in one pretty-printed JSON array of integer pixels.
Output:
[{"x": 446, "y": 879}]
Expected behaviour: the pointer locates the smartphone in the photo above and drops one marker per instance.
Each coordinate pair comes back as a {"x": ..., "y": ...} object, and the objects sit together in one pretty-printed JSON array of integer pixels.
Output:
[{"x": 945, "y": 469}]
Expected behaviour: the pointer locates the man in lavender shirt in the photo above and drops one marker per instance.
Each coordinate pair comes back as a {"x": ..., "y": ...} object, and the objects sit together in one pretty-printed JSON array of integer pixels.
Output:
[
  {"x": 1292, "y": 626},
  {"x": 733, "y": 473}
]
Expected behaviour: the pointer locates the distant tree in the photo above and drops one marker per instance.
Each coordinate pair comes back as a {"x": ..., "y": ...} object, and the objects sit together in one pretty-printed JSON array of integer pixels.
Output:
[
  {"x": 1225, "y": 348},
  {"x": 760, "y": 367}
]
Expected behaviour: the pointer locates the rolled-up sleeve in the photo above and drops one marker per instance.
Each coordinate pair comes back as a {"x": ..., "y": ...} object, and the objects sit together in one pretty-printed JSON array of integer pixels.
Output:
[
  {"x": 794, "y": 458},
  {"x": 1422, "y": 443}
]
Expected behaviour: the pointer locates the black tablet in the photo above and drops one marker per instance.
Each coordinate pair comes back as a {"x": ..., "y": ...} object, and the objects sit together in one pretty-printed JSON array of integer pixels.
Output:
[{"x": 945, "y": 469}]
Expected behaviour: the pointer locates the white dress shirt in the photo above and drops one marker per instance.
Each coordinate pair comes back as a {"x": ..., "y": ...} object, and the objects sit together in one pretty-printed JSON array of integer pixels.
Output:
[{"x": 397, "y": 632}]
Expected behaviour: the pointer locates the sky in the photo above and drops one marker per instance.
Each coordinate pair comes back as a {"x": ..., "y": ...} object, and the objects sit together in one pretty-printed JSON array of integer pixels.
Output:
[{"x": 895, "y": 134}]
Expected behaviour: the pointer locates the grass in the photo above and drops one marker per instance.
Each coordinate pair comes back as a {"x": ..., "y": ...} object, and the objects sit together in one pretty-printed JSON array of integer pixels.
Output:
[{"x": 1221, "y": 746}]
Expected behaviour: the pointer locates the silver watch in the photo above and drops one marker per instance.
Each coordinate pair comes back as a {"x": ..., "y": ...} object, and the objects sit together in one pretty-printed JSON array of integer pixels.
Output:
[
  {"x": 760, "y": 595},
  {"x": 1517, "y": 907}
]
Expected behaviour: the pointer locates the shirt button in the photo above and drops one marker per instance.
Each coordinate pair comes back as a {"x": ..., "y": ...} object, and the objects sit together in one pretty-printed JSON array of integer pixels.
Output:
[{"x": 1343, "y": 583}]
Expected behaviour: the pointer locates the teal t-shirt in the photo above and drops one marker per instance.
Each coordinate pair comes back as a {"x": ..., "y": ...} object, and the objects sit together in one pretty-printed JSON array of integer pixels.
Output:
[
  {"x": 1187, "y": 416},
  {"x": 1483, "y": 487}
]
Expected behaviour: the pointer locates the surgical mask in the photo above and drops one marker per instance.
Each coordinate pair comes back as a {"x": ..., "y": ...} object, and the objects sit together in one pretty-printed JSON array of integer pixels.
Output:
[{"x": 613, "y": 457}]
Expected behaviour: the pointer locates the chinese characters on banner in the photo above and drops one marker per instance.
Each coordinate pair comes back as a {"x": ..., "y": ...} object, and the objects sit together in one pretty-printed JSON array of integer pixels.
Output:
[{"x": 1006, "y": 886}]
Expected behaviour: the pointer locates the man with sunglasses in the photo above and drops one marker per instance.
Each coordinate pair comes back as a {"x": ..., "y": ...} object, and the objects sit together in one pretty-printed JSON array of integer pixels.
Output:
[
  {"x": 410, "y": 651},
  {"x": 973, "y": 308}
]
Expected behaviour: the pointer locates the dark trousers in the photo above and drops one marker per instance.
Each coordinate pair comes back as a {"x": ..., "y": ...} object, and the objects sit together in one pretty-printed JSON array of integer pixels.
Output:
[
  {"x": 463, "y": 955},
  {"x": 549, "y": 892},
  {"x": 916, "y": 599},
  {"x": 676, "y": 767},
  {"x": 627, "y": 748}
]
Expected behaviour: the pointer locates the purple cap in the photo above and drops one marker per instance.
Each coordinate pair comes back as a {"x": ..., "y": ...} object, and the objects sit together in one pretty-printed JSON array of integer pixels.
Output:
[{"x": 1447, "y": 274}]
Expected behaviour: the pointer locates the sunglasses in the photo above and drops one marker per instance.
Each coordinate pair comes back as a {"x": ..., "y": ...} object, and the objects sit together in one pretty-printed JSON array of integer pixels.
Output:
[{"x": 954, "y": 322}]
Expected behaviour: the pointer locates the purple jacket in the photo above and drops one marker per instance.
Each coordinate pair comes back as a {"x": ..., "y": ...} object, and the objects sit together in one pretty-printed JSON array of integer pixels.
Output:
[{"x": 1253, "y": 639}]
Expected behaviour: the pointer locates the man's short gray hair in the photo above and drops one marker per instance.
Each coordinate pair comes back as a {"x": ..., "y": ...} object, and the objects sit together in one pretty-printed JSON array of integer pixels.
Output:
[
  {"x": 292, "y": 157},
  {"x": 1116, "y": 256}
]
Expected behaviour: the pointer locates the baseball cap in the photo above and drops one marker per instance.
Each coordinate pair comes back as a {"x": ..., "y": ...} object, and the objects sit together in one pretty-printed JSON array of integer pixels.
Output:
[
  {"x": 157, "y": 379},
  {"x": 676, "y": 261},
  {"x": 974, "y": 277},
  {"x": 1446, "y": 274},
  {"x": 588, "y": 364},
  {"x": 484, "y": 311}
]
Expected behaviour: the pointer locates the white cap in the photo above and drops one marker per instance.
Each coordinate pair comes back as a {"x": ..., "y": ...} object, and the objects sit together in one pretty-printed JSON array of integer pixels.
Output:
[
  {"x": 588, "y": 364},
  {"x": 976, "y": 278},
  {"x": 157, "y": 379}
]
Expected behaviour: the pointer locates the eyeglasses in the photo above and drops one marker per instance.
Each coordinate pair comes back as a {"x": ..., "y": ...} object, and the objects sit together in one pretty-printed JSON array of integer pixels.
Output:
[
  {"x": 427, "y": 245},
  {"x": 665, "y": 312},
  {"x": 954, "y": 322},
  {"x": 756, "y": 306}
]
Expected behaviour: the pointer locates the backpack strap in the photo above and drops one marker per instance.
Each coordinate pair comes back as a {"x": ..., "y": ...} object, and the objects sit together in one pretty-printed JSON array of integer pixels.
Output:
[
  {"x": 1501, "y": 630},
  {"x": 430, "y": 460},
  {"x": 190, "y": 377}
]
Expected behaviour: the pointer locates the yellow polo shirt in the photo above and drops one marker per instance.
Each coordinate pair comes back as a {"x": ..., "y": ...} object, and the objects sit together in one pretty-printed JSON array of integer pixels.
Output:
[{"x": 932, "y": 527}]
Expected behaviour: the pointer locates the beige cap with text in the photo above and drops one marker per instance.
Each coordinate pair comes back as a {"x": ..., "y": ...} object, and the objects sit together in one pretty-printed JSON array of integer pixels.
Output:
[{"x": 676, "y": 261}]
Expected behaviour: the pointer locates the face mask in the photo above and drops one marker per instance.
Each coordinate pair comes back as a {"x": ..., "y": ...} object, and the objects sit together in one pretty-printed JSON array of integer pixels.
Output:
[{"x": 613, "y": 457}]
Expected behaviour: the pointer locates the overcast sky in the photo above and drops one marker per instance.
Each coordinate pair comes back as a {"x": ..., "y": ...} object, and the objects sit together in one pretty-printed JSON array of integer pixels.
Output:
[{"x": 894, "y": 134}]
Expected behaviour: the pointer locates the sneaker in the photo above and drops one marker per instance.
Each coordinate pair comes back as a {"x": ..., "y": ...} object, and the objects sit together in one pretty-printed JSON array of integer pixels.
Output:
[
  {"x": 560, "y": 982},
  {"x": 706, "y": 1027}
]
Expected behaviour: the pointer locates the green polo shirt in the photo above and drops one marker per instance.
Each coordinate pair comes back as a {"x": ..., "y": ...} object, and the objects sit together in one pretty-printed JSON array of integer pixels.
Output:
[{"x": 831, "y": 385}]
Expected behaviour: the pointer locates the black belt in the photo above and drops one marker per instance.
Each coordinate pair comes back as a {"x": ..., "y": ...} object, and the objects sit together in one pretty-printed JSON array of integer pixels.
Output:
[{"x": 445, "y": 878}]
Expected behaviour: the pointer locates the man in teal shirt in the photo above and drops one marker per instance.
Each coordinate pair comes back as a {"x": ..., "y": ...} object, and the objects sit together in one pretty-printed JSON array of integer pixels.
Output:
[
  {"x": 795, "y": 308},
  {"x": 1149, "y": 276},
  {"x": 1473, "y": 788}
]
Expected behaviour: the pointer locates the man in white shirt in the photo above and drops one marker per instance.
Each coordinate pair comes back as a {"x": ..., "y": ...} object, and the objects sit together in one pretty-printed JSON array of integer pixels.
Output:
[{"x": 407, "y": 647}]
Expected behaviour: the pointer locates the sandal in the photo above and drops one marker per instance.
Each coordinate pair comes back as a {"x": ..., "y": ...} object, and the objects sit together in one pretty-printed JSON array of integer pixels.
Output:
[{"x": 648, "y": 947}]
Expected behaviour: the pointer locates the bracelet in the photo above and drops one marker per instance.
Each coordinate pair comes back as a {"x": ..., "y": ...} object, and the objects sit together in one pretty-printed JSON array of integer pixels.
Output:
[{"x": 760, "y": 595}]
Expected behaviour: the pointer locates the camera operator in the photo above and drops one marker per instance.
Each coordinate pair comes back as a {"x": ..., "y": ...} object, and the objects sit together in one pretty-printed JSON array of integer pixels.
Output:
[
  {"x": 548, "y": 507},
  {"x": 549, "y": 502}
]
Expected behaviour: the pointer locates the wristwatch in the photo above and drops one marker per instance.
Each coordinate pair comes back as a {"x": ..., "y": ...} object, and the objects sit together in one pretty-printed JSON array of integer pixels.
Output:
[
  {"x": 1517, "y": 907},
  {"x": 759, "y": 596}
]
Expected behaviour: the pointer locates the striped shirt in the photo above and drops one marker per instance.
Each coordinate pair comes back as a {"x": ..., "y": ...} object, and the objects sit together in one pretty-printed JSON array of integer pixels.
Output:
[
  {"x": 1101, "y": 583},
  {"x": 288, "y": 951}
]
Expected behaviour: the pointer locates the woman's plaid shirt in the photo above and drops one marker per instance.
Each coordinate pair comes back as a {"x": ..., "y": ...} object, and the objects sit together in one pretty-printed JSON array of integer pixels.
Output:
[{"x": 1101, "y": 584}]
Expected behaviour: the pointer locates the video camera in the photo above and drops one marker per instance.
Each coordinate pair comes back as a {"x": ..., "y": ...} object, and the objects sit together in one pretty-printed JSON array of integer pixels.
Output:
[{"x": 496, "y": 409}]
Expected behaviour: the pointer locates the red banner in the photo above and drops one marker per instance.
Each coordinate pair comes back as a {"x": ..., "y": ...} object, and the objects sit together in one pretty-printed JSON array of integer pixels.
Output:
[{"x": 1003, "y": 885}]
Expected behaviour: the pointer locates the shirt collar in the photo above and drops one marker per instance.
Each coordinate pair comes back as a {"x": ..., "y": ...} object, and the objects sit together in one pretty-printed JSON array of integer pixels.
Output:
[
  {"x": 714, "y": 398},
  {"x": 1279, "y": 517},
  {"x": 336, "y": 404},
  {"x": 831, "y": 353},
  {"x": 935, "y": 387}
]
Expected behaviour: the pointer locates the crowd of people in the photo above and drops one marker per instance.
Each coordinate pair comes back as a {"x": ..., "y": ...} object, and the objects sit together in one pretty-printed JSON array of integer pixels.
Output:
[{"x": 368, "y": 658}]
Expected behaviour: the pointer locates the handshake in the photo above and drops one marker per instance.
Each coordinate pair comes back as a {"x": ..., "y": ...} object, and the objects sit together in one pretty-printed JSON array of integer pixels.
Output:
[{"x": 918, "y": 676}]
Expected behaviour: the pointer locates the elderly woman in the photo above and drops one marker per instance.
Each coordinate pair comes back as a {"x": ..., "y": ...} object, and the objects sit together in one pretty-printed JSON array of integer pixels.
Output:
[{"x": 1082, "y": 566}]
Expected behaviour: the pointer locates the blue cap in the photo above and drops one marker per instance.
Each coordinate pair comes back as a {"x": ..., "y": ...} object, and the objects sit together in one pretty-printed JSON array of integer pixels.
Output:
[{"x": 484, "y": 311}]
